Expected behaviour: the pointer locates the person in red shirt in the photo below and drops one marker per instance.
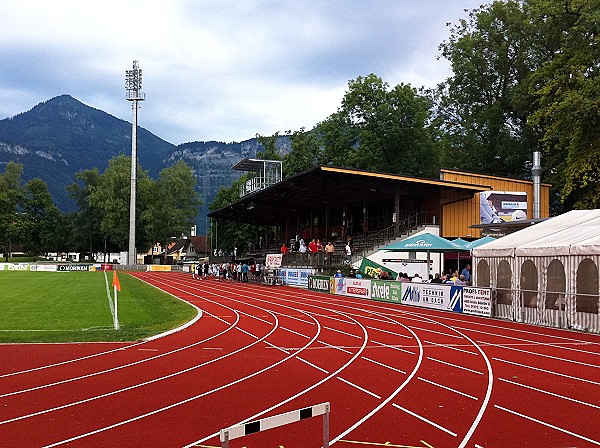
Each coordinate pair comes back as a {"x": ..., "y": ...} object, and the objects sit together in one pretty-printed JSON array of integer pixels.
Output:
[{"x": 284, "y": 249}]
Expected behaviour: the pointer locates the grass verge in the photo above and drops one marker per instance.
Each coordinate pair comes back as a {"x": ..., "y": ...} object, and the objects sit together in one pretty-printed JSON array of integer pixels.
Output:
[{"x": 73, "y": 307}]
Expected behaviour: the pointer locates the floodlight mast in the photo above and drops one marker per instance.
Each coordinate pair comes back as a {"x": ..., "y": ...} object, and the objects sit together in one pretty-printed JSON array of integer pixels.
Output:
[{"x": 133, "y": 89}]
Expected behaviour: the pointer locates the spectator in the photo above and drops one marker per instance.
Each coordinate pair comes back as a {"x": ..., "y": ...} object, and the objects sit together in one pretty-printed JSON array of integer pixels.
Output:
[
  {"x": 466, "y": 273},
  {"x": 460, "y": 280},
  {"x": 417, "y": 279},
  {"x": 302, "y": 248},
  {"x": 329, "y": 250},
  {"x": 348, "y": 253},
  {"x": 436, "y": 278},
  {"x": 284, "y": 249},
  {"x": 338, "y": 274}
]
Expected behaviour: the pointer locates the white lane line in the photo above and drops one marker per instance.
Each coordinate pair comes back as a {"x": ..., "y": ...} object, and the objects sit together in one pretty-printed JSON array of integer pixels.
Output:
[
  {"x": 547, "y": 371},
  {"x": 550, "y": 393},
  {"x": 294, "y": 318},
  {"x": 508, "y": 347},
  {"x": 308, "y": 389},
  {"x": 454, "y": 365},
  {"x": 342, "y": 332},
  {"x": 313, "y": 365},
  {"x": 549, "y": 425},
  {"x": 436, "y": 332},
  {"x": 340, "y": 348},
  {"x": 187, "y": 400},
  {"x": 384, "y": 365},
  {"x": 453, "y": 347},
  {"x": 281, "y": 349},
  {"x": 295, "y": 332},
  {"x": 390, "y": 397},
  {"x": 447, "y": 431},
  {"x": 390, "y": 332},
  {"x": 449, "y": 388},
  {"x": 359, "y": 388},
  {"x": 395, "y": 347},
  {"x": 564, "y": 346},
  {"x": 113, "y": 369}
]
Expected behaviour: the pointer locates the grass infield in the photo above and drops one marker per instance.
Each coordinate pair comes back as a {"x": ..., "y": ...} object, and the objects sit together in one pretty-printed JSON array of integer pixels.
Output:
[{"x": 74, "y": 307}]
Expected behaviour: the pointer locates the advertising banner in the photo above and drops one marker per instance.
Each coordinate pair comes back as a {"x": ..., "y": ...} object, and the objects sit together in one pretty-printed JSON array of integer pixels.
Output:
[
  {"x": 44, "y": 268},
  {"x": 353, "y": 287},
  {"x": 292, "y": 277},
  {"x": 73, "y": 267},
  {"x": 387, "y": 291},
  {"x": 477, "y": 301},
  {"x": 273, "y": 260},
  {"x": 319, "y": 283},
  {"x": 158, "y": 267},
  {"x": 372, "y": 269},
  {"x": 436, "y": 296},
  {"x": 15, "y": 266}
]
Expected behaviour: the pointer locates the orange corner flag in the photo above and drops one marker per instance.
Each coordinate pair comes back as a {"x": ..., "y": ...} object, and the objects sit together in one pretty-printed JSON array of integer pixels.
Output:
[{"x": 115, "y": 282}]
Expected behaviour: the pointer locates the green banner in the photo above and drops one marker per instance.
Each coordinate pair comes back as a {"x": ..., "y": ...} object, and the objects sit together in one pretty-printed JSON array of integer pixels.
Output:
[
  {"x": 371, "y": 269},
  {"x": 387, "y": 291},
  {"x": 319, "y": 283}
]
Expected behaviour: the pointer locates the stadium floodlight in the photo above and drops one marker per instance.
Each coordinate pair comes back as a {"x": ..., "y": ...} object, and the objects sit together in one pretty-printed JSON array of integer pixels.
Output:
[{"x": 133, "y": 89}]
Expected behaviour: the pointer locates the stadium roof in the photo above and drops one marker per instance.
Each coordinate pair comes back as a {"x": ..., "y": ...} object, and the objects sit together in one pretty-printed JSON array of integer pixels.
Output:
[{"x": 326, "y": 187}]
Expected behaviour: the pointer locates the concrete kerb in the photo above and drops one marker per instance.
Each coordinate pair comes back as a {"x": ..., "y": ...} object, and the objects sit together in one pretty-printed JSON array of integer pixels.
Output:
[{"x": 181, "y": 327}]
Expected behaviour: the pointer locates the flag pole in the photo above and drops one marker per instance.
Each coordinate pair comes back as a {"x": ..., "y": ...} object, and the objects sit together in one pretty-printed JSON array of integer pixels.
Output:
[
  {"x": 117, "y": 327},
  {"x": 116, "y": 287}
]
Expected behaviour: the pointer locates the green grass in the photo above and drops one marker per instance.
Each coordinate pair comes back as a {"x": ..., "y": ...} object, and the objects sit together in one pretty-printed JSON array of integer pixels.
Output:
[{"x": 73, "y": 307}]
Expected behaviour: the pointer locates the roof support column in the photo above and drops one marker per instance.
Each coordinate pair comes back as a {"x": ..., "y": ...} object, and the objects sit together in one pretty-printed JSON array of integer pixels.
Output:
[
  {"x": 396, "y": 211},
  {"x": 326, "y": 224}
]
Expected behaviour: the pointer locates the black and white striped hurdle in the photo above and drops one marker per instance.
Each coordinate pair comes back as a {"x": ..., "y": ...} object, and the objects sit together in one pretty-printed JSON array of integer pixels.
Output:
[{"x": 244, "y": 429}]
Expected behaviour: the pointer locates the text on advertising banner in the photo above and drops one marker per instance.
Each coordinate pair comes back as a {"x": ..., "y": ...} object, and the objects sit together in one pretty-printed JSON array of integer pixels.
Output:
[
  {"x": 429, "y": 295},
  {"x": 353, "y": 287},
  {"x": 477, "y": 301},
  {"x": 387, "y": 291},
  {"x": 319, "y": 283}
]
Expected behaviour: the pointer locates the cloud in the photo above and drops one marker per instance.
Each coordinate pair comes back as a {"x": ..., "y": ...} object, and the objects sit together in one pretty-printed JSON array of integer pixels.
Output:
[{"x": 214, "y": 69}]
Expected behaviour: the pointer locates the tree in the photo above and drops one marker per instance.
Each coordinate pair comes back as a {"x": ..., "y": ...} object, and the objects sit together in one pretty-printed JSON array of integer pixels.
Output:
[
  {"x": 10, "y": 197},
  {"x": 174, "y": 204},
  {"x": 111, "y": 198},
  {"x": 484, "y": 106},
  {"x": 229, "y": 234},
  {"x": 304, "y": 153},
  {"x": 381, "y": 129},
  {"x": 87, "y": 235},
  {"x": 567, "y": 87},
  {"x": 43, "y": 227},
  {"x": 269, "y": 144}
]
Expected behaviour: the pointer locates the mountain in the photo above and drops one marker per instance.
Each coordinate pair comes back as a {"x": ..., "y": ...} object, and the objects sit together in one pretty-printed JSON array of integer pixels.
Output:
[{"x": 62, "y": 136}]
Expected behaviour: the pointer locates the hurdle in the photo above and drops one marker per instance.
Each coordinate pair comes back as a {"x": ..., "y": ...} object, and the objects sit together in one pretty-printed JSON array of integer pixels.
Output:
[{"x": 244, "y": 429}]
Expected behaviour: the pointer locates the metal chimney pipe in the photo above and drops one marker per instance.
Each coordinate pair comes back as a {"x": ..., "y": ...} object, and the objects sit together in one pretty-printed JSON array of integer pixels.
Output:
[{"x": 536, "y": 171}]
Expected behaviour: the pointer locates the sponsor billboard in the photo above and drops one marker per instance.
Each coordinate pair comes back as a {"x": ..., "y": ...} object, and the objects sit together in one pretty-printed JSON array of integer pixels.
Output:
[
  {"x": 477, "y": 301},
  {"x": 273, "y": 260},
  {"x": 73, "y": 267},
  {"x": 387, "y": 291},
  {"x": 319, "y": 283},
  {"x": 436, "y": 296},
  {"x": 353, "y": 287}
]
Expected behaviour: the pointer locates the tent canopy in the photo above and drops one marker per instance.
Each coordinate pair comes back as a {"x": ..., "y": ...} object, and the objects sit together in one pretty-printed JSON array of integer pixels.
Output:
[
  {"x": 479, "y": 242},
  {"x": 574, "y": 232},
  {"x": 425, "y": 242}
]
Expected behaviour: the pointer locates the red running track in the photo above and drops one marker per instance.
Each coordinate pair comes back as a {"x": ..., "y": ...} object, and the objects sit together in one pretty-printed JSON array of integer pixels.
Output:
[{"x": 394, "y": 375}]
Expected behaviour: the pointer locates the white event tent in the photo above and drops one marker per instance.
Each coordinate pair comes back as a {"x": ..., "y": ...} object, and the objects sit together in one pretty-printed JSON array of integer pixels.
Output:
[{"x": 546, "y": 274}]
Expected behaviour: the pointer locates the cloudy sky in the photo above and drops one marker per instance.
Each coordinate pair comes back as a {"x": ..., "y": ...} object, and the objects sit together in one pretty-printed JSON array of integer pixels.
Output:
[{"x": 218, "y": 70}]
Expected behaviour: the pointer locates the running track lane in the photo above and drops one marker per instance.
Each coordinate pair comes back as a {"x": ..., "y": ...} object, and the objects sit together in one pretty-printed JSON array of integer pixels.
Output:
[{"x": 392, "y": 374}]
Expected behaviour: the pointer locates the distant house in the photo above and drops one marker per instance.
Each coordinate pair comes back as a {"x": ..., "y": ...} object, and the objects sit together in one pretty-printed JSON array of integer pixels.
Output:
[
  {"x": 188, "y": 249},
  {"x": 198, "y": 247}
]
